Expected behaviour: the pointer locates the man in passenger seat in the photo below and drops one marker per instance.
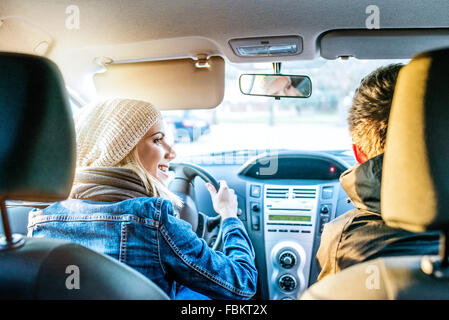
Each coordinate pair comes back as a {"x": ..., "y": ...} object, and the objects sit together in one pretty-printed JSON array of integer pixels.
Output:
[{"x": 361, "y": 234}]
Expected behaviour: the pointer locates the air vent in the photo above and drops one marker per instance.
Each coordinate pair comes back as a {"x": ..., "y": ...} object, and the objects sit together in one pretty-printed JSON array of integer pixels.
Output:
[
  {"x": 277, "y": 193},
  {"x": 304, "y": 193}
]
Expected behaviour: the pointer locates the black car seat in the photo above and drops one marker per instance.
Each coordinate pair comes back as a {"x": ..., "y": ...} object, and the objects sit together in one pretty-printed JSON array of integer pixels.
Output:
[
  {"x": 37, "y": 163},
  {"x": 18, "y": 219},
  {"x": 414, "y": 193}
]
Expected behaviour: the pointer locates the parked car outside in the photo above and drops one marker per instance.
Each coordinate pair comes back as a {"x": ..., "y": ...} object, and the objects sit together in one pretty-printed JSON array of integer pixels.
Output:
[{"x": 187, "y": 126}]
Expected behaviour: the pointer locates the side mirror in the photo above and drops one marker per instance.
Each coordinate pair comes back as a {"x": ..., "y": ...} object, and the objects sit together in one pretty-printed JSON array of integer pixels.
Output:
[{"x": 276, "y": 85}]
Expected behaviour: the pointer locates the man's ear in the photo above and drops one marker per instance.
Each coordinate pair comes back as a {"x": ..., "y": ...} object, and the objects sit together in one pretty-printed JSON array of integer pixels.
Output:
[{"x": 360, "y": 156}]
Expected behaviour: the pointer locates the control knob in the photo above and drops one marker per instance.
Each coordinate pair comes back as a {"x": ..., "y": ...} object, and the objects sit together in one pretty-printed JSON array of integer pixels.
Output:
[
  {"x": 287, "y": 259},
  {"x": 287, "y": 283}
]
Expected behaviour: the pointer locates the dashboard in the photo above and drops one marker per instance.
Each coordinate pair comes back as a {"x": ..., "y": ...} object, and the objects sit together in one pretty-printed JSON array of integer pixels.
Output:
[{"x": 285, "y": 197}]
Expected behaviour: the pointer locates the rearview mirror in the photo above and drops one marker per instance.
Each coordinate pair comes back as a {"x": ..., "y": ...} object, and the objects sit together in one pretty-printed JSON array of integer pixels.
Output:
[{"x": 276, "y": 85}]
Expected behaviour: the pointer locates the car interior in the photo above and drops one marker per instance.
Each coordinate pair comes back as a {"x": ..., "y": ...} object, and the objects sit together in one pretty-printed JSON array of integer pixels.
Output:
[{"x": 282, "y": 153}]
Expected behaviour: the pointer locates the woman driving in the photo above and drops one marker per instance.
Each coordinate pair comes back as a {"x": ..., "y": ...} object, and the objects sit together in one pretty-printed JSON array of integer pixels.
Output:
[{"x": 120, "y": 205}]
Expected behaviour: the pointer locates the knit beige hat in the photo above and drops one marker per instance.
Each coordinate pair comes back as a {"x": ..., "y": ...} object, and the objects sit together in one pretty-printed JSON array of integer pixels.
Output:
[{"x": 108, "y": 130}]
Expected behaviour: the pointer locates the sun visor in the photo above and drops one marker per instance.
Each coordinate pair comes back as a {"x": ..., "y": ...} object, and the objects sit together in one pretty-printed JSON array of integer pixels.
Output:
[
  {"x": 381, "y": 43},
  {"x": 168, "y": 84},
  {"x": 18, "y": 35}
]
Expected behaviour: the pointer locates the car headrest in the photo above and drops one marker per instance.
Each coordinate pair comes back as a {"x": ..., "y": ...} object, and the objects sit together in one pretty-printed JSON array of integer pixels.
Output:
[
  {"x": 37, "y": 138},
  {"x": 415, "y": 179}
]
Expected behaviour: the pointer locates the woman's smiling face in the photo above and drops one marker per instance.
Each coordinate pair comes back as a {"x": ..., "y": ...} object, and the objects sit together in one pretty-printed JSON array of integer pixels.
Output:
[{"x": 155, "y": 153}]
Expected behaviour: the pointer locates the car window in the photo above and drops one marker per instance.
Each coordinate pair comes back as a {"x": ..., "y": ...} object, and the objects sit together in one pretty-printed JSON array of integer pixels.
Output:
[{"x": 243, "y": 122}]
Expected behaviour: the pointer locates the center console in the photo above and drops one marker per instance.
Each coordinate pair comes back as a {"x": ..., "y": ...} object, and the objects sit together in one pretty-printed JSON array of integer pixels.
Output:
[
  {"x": 291, "y": 219},
  {"x": 286, "y": 211},
  {"x": 289, "y": 230}
]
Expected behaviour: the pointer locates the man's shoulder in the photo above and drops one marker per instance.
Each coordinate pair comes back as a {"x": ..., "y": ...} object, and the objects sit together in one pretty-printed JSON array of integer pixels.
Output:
[
  {"x": 339, "y": 228},
  {"x": 353, "y": 216},
  {"x": 340, "y": 234},
  {"x": 344, "y": 218}
]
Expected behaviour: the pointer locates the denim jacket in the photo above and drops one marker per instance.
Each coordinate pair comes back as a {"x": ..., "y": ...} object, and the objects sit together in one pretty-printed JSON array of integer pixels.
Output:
[{"x": 144, "y": 234}]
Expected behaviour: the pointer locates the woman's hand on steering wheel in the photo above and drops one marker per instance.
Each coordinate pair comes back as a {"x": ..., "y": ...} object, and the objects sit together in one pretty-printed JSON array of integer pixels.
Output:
[
  {"x": 224, "y": 200},
  {"x": 207, "y": 227}
]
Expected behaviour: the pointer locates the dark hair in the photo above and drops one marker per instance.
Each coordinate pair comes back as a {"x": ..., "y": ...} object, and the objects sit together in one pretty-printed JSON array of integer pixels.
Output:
[{"x": 370, "y": 110}]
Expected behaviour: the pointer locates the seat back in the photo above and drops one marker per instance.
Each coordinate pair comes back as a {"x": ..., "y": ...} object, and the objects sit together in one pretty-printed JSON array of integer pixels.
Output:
[
  {"x": 391, "y": 278},
  {"x": 37, "y": 163},
  {"x": 59, "y": 270},
  {"x": 37, "y": 155},
  {"x": 414, "y": 191}
]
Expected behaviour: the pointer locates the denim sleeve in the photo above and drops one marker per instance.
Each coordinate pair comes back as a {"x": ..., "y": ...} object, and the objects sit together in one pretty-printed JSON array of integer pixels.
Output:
[{"x": 187, "y": 259}]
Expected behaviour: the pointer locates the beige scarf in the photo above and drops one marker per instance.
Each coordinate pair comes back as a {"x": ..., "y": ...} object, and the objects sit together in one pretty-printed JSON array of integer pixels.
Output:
[{"x": 107, "y": 184}]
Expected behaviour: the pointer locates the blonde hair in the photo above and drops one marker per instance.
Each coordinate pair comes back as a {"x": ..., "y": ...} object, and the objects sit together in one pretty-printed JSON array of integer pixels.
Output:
[
  {"x": 107, "y": 133},
  {"x": 152, "y": 185}
]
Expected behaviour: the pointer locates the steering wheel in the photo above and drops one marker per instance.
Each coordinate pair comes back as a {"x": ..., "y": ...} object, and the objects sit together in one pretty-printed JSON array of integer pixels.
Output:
[{"x": 208, "y": 228}]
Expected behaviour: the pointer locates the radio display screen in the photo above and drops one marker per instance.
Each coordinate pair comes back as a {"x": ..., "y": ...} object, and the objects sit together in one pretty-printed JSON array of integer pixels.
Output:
[{"x": 277, "y": 217}]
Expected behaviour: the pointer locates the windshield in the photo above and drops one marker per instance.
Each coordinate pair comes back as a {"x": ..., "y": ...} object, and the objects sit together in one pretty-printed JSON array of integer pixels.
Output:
[{"x": 244, "y": 122}]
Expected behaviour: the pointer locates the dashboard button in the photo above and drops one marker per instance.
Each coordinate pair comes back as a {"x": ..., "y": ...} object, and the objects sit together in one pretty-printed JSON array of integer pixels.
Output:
[
  {"x": 255, "y": 216},
  {"x": 327, "y": 192},
  {"x": 255, "y": 222},
  {"x": 255, "y": 191},
  {"x": 325, "y": 208},
  {"x": 323, "y": 221}
]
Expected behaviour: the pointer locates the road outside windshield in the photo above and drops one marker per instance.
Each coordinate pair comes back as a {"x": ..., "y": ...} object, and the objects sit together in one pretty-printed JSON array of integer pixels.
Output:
[{"x": 243, "y": 122}]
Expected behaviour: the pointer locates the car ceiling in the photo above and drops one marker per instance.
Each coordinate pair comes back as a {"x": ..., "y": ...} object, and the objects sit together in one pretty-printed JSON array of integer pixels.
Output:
[
  {"x": 143, "y": 29},
  {"x": 146, "y": 30}
]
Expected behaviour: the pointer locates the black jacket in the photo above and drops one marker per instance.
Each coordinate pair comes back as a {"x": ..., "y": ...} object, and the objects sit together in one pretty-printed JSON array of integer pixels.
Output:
[{"x": 361, "y": 234}]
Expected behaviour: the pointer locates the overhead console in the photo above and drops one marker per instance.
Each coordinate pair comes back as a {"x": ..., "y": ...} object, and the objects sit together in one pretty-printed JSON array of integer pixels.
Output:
[{"x": 289, "y": 198}]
